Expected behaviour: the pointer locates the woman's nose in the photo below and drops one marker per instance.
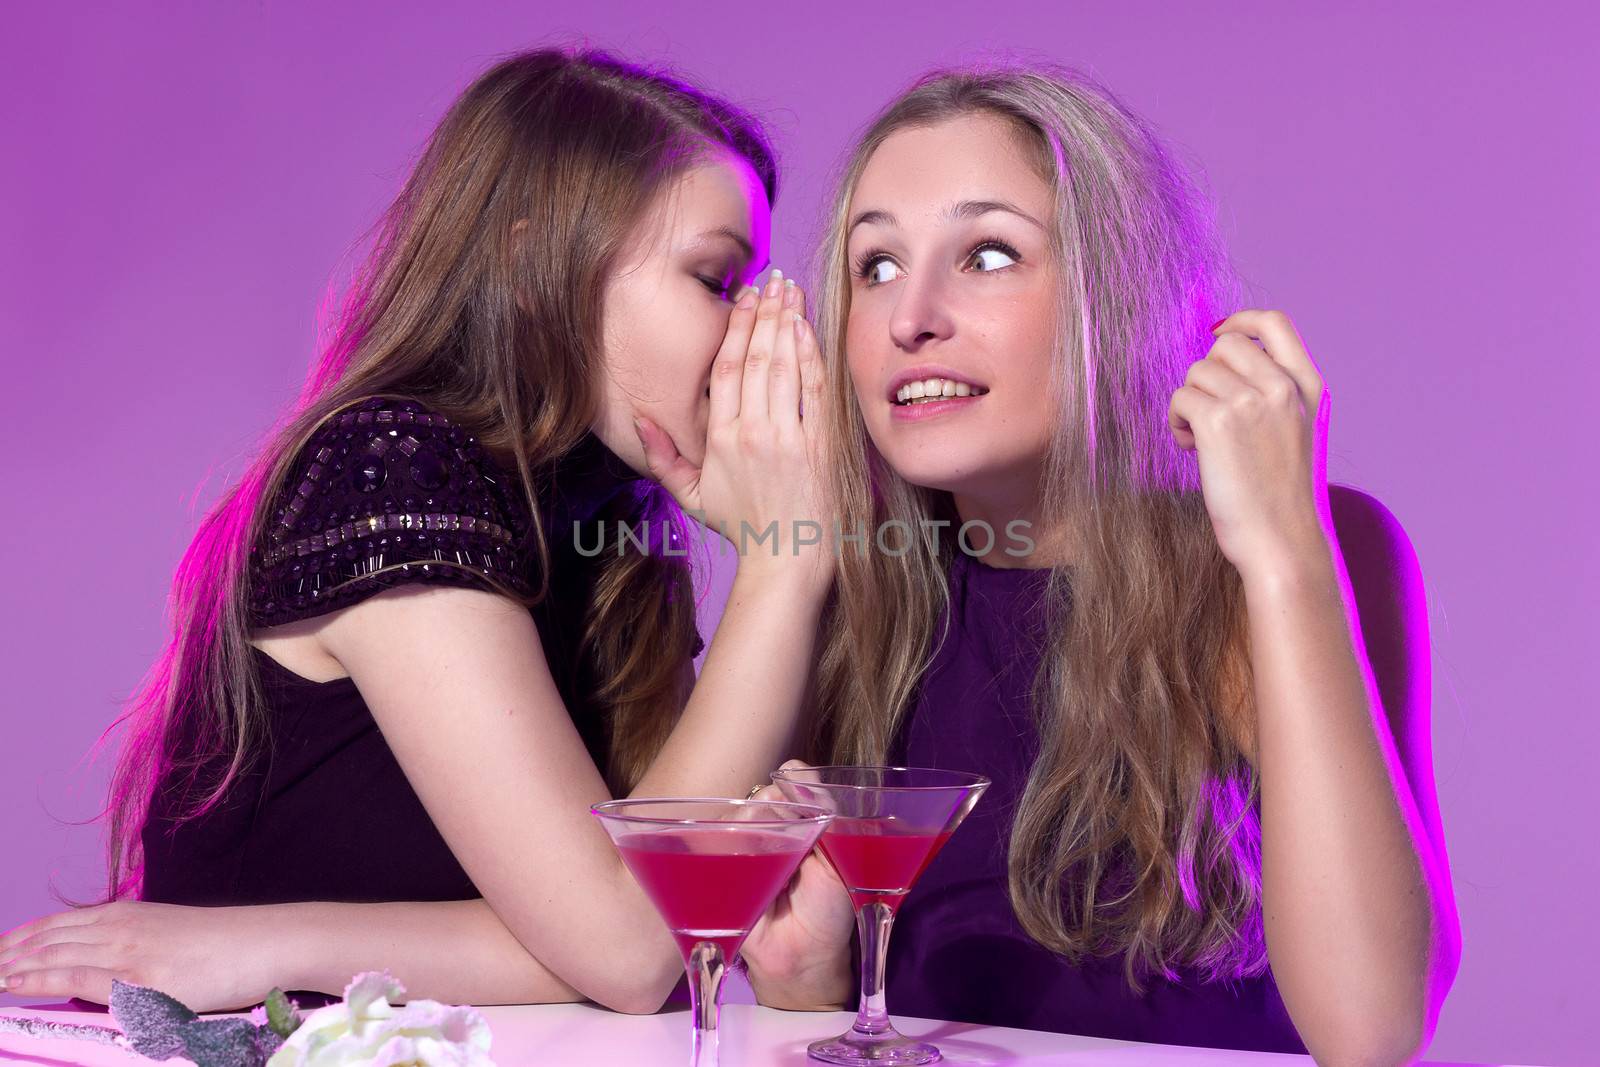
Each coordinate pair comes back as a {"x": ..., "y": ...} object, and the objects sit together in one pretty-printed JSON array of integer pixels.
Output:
[{"x": 920, "y": 314}]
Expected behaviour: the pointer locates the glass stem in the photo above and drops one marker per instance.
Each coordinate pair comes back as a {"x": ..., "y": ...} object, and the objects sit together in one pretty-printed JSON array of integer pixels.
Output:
[
  {"x": 873, "y": 922},
  {"x": 707, "y": 966}
]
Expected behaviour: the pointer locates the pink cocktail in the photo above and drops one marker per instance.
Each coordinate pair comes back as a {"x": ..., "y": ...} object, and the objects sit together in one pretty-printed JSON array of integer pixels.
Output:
[
  {"x": 711, "y": 868},
  {"x": 889, "y": 823},
  {"x": 710, "y": 884},
  {"x": 877, "y": 859}
]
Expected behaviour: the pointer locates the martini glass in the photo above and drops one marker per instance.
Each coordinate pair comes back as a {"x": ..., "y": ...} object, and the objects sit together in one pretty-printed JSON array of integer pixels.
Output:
[
  {"x": 711, "y": 867},
  {"x": 888, "y": 824}
]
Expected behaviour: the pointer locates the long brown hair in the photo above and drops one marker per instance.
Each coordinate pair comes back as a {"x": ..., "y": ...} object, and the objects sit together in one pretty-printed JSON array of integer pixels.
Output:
[
  {"x": 1136, "y": 832},
  {"x": 496, "y": 325}
]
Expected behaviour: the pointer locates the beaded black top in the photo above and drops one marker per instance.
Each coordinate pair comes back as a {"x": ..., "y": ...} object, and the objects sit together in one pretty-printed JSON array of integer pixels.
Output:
[{"x": 384, "y": 493}]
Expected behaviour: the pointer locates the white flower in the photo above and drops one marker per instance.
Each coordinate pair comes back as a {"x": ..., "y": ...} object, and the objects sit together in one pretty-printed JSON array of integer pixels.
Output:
[{"x": 368, "y": 1031}]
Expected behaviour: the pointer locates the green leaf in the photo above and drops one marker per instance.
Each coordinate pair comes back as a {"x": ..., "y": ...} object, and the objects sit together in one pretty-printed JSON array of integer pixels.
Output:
[
  {"x": 283, "y": 1015},
  {"x": 151, "y": 1019}
]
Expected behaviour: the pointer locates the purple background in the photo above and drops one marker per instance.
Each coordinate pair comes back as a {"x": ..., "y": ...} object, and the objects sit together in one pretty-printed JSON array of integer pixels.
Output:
[{"x": 1416, "y": 187}]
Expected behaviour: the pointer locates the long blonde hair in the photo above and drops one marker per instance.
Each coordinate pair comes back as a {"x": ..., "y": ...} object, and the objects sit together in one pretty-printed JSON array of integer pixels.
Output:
[
  {"x": 498, "y": 327},
  {"x": 1136, "y": 832}
]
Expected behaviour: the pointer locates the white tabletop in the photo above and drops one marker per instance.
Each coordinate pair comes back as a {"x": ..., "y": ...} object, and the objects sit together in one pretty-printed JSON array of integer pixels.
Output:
[{"x": 556, "y": 1035}]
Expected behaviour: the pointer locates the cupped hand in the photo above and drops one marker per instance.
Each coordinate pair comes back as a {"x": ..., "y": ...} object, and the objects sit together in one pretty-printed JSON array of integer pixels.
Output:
[{"x": 761, "y": 484}]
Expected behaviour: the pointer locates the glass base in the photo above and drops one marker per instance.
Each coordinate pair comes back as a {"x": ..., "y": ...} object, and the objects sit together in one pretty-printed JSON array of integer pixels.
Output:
[{"x": 853, "y": 1047}]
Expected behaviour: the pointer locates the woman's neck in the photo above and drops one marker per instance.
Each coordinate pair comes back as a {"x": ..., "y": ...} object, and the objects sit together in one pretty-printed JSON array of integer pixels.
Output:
[{"x": 1000, "y": 509}]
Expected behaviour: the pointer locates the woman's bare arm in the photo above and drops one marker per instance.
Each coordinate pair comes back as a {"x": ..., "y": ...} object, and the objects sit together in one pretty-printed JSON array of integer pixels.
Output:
[
  {"x": 1360, "y": 919},
  {"x": 456, "y": 951},
  {"x": 458, "y": 683},
  {"x": 461, "y": 951}
]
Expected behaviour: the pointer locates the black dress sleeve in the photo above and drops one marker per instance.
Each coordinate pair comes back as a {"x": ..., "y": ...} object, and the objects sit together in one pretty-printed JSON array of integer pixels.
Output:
[{"x": 384, "y": 493}]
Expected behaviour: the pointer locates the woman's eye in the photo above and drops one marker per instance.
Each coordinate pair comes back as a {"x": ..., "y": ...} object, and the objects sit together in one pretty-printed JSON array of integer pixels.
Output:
[
  {"x": 876, "y": 275},
  {"x": 717, "y": 286},
  {"x": 869, "y": 270},
  {"x": 1007, "y": 256}
]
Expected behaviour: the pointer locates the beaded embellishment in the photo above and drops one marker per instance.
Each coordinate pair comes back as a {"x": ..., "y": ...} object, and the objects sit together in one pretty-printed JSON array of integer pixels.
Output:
[{"x": 387, "y": 492}]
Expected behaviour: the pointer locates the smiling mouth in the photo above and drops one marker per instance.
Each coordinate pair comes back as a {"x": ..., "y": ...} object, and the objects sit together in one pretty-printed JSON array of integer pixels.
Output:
[{"x": 927, "y": 390}]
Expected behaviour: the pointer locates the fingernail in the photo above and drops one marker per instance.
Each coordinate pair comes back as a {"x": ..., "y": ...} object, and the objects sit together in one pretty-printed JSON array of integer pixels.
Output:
[
  {"x": 791, "y": 295},
  {"x": 747, "y": 299},
  {"x": 638, "y": 427},
  {"x": 774, "y": 282},
  {"x": 1219, "y": 322}
]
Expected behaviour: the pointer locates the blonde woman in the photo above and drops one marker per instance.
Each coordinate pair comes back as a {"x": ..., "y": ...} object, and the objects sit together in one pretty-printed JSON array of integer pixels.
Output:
[{"x": 1202, "y": 695}]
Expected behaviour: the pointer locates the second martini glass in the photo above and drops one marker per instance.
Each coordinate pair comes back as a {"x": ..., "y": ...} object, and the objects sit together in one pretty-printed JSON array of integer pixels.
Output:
[
  {"x": 888, "y": 824},
  {"x": 711, "y": 867}
]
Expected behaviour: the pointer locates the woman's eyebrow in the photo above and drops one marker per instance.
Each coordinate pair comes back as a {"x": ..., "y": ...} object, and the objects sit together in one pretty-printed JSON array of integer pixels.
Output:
[
  {"x": 731, "y": 234},
  {"x": 964, "y": 209}
]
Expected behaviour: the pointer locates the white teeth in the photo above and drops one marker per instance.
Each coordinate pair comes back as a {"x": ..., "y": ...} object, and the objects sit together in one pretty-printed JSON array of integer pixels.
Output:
[{"x": 935, "y": 389}]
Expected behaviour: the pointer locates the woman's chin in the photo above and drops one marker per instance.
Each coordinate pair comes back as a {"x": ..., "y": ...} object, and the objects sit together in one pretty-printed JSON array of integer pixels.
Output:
[
  {"x": 970, "y": 472},
  {"x": 934, "y": 473}
]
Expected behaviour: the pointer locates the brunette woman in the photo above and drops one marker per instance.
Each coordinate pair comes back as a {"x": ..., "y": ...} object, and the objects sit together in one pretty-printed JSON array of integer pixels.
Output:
[{"x": 416, "y": 643}]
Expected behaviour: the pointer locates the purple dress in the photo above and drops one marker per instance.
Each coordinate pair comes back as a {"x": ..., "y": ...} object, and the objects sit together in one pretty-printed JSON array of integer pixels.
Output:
[{"x": 958, "y": 951}]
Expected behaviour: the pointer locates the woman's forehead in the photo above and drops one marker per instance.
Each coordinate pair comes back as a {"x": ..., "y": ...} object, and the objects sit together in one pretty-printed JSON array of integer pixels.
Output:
[
  {"x": 926, "y": 170},
  {"x": 722, "y": 196},
  {"x": 709, "y": 207}
]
